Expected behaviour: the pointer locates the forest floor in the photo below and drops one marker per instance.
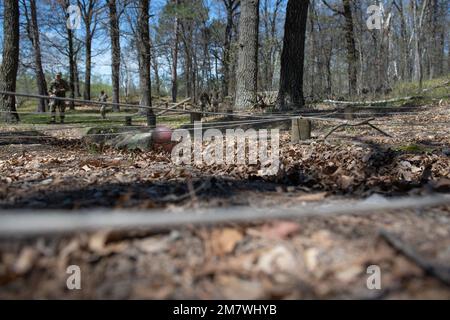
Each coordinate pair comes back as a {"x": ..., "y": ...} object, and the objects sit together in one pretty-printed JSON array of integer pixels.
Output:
[{"x": 314, "y": 257}]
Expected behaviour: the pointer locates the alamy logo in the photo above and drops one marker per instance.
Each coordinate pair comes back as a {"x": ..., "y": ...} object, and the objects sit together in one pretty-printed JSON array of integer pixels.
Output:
[
  {"x": 229, "y": 149},
  {"x": 74, "y": 280},
  {"x": 374, "y": 20},
  {"x": 374, "y": 280},
  {"x": 73, "y": 17}
]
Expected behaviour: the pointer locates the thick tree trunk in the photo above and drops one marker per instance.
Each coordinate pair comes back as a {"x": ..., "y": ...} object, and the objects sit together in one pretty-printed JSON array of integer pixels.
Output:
[
  {"x": 230, "y": 7},
  {"x": 290, "y": 93},
  {"x": 115, "y": 52},
  {"x": 72, "y": 67},
  {"x": 144, "y": 53},
  {"x": 174, "y": 66},
  {"x": 87, "y": 72},
  {"x": 10, "y": 60},
  {"x": 227, "y": 53},
  {"x": 72, "y": 59},
  {"x": 33, "y": 35},
  {"x": 247, "y": 70},
  {"x": 352, "y": 58},
  {"x": 88, "y": 9}
]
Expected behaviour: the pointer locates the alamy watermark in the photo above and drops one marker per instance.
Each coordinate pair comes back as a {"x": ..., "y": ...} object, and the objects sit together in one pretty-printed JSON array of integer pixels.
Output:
[
  {"x": 375, "y": 19},
  {"x": 73, "y": 21},
  {"x": 374, "y": 280},
  {"x": 73, "y": 282},
  {"x": 236, "y": 147}
]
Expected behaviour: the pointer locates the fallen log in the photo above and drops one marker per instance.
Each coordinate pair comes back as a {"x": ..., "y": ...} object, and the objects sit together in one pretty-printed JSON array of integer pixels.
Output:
[
  {"x": 173, "y": 107},
  {"x": 363, "y": 103}
]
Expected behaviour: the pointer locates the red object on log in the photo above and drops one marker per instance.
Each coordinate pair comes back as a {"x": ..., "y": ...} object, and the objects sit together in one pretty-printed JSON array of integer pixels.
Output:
[{"x": 162, "y": 138}]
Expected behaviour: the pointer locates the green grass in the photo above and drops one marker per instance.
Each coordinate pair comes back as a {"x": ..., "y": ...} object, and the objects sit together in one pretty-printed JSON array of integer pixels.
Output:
[
  {"x": 91, "y": 117},
  {"x": 414, "y": 148},
  {"x": 404, "y": 89}
]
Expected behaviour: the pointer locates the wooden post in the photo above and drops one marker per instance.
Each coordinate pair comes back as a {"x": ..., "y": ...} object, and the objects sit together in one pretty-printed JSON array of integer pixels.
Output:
[
  {"x": 230, "y": 114},
  {"x": 196, "y": 116},
  {"x": 301, "y": 129},
  {"x": 128, "y": 121},
  {"x": 348, "y": 112},
  {"x": 151, "y": 120}
]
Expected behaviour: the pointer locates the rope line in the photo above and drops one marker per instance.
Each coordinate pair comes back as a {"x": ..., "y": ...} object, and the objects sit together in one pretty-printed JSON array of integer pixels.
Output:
[{"x": 19, "y": 223}]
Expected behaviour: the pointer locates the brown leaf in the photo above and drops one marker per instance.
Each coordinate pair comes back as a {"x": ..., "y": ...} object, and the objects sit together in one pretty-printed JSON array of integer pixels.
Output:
[
  {"x": 312, "y": 196},
  {"x": 98, "y": 243},
  {"x": 224, "y": 241},
  {"x": 277, "y": 229},
  {"x": 25, "y": 261}
]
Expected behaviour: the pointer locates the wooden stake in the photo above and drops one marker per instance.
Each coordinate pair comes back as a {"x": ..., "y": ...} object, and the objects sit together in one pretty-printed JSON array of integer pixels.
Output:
[
  {"x": 301, "y": 129},
  {"x": 348, "y": 113},
  {"x": 196, "y": 116}
]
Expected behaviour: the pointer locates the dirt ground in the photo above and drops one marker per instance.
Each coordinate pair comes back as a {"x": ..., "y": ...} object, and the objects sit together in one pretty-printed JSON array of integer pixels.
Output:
[{"x": 316, "y": 257}]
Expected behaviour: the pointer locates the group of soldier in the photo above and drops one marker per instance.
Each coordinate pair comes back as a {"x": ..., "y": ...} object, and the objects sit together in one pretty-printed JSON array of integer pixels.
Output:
[{"x": 59, "y": 87}]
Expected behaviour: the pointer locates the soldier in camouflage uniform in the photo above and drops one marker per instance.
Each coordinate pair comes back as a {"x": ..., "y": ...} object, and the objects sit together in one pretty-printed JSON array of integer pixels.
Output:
[
  {"x": 204, "y": 101},
  {"x": 103, "y": 97},
  {"x": 215, "y": 101},
  {"x": 58, "y": 88}
]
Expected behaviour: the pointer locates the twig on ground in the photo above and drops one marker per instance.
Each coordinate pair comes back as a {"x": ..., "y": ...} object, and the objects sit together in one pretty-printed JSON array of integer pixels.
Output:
[
  {"x": 439, "y": 272},
  {"x": 365, "y": 122}
]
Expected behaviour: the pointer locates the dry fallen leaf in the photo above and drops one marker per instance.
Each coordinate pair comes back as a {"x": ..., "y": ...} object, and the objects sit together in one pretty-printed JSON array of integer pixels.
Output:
[
  {"x": 277, "y": 259},
  {"x": 25, "y": 261},
  {"x": 312, "y": 196},
  {"x": 98, "y": 243},
  {"x": 225, "y": 240},
  {"x": 276, "y": 230}
]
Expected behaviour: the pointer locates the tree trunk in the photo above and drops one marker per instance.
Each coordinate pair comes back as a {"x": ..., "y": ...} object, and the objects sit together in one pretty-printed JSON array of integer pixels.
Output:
[
  {"x": 72, "y": 59},
  {"x": 87, "y": 73},
  {"x": 143, "y": 45},
  {"x": 72, "y": 66},
  {"x": 115, "y": 52},
  {"x": 247, "y": 70},
  {"x": 290, "y": 93},
  {"x": 33, "y": 35},
  {"x": 10, "y": 63},
  {"x": 155, "y": 66},
  {"x": 174, "y": 66},
  {"x": 76, "y": 76},
  {"x": 352, "y": 58},
  {"x": 230, "y": 6}
]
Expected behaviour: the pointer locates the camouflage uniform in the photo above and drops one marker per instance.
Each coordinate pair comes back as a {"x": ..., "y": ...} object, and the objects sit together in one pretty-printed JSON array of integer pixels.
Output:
[
  {"x": 215, "y": 101},
  {"x": 103, "y": 98},
  {"x": 204, "y": 100},
  {"x": 58, "y": 88}
]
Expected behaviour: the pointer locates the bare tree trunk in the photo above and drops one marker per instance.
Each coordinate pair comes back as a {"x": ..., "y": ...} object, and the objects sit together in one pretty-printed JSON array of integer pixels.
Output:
[
  {"x": 76, "y": 76},
  {"x": 72, "y": 58},
  {"x": 231, "y": 6},
  {"x": 87, "y": 72},
  {"x": 352, "y": 58},
  {"x": 175, "y": 45},
  {"x": 418, "y": 67},
  {"x": 115, "y": 52},
  {"x": 155, "y": 66},
  {"x": 144, "y": 53},
  {"x": 89, "y": 16},
  {"x": 33, "y": 35},
  {"x": 247, "y": 70},
  {"x": 292, "y": 56},
  {"x": 10, "y": 63}
]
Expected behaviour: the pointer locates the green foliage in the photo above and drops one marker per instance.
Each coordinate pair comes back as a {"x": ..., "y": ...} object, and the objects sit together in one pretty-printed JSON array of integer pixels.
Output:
[{"x": 412, "y": 88}]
